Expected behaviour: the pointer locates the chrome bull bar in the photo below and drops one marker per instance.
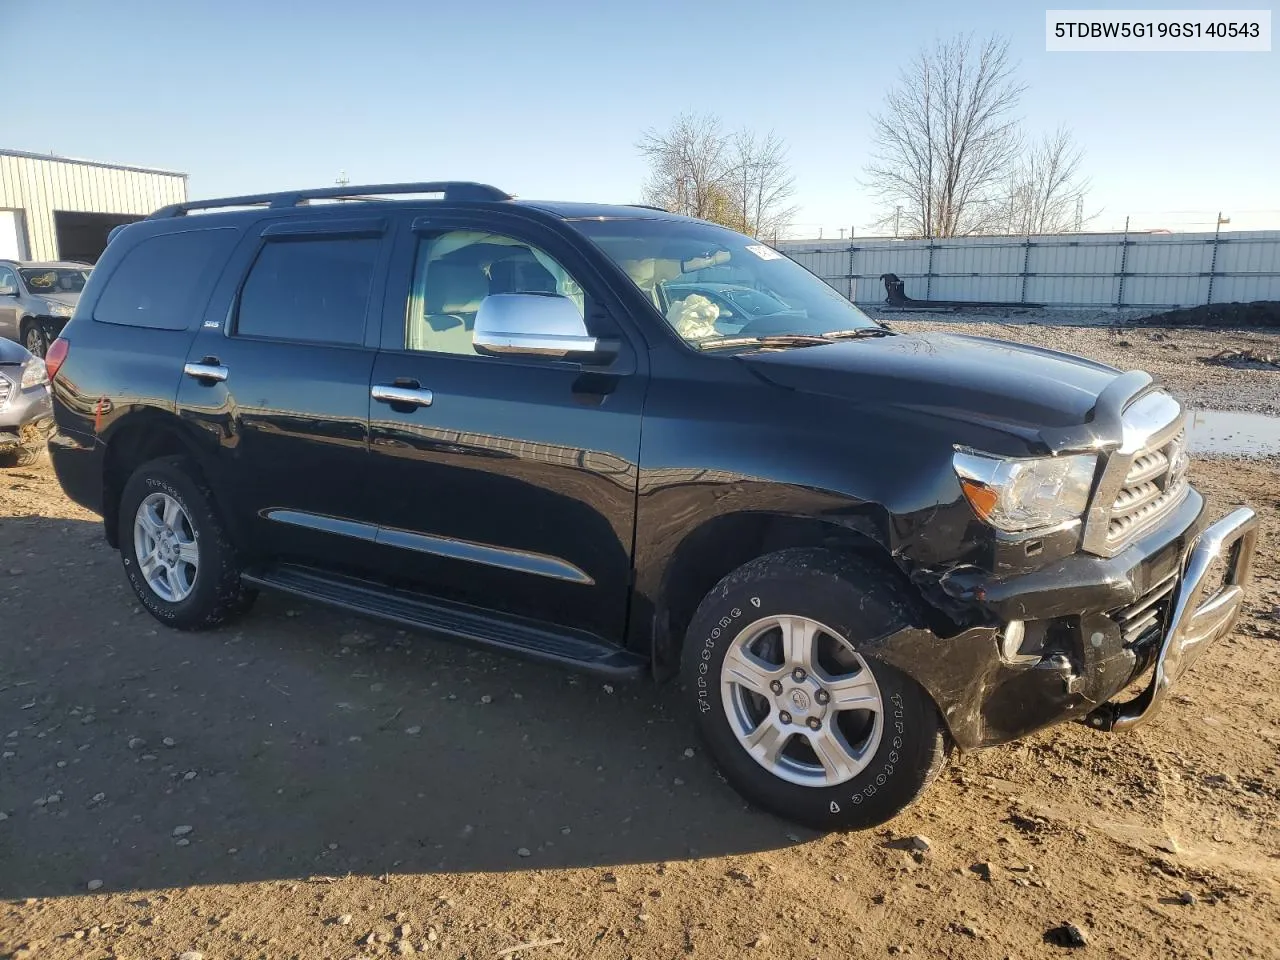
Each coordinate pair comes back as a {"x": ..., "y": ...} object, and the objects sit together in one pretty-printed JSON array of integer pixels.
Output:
[{"x": 1201, "y": 613}]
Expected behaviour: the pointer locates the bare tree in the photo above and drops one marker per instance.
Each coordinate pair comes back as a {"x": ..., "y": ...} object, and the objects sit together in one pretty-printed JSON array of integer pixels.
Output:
[
  {"x": 761, "y": 184},
  {"x": 742, "y": 181},
  {"x": 1046, "y": 189},
  {"x": 947, "y": 139},
  {"x": 687, "y": 165}
]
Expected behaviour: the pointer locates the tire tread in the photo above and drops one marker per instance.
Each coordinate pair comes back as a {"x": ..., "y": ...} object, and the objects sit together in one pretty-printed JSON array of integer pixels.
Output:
[
  {"x": 932, "y": 747},
  {"x": 212, "y": 607}
]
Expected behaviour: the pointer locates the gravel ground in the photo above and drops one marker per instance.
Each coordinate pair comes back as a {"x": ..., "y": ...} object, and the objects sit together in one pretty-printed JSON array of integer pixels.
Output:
[
  {"x": 1173, "y": 355},
  {"x": 306, "y": 784},
  {"x": 1050, "y": 317}
]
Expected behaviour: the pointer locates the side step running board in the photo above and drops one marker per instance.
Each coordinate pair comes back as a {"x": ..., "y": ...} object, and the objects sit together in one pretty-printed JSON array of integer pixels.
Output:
[{"x": 575, "y": 650}]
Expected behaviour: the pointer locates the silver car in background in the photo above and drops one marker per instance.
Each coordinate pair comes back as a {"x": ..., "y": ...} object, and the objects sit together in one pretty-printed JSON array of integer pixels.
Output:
[
  {"x": 37, "y": 299},
  {"x": 26, "y": 411}
]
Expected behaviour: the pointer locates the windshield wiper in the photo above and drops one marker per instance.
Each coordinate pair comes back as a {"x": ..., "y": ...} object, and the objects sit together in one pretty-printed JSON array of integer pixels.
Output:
[
  {"x": 795, "y": 339},
  {"x": 857, "y": 333},
  {"x": 775, "y": 340}
]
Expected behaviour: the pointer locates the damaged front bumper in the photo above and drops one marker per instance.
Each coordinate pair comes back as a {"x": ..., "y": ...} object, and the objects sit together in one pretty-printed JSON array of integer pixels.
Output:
[
  {"x": 26, "y": 417},
  {"x": 1066, "y": 640},
  {"x": 30, "y": 435},
  {"x": 1206, "y": 603}
]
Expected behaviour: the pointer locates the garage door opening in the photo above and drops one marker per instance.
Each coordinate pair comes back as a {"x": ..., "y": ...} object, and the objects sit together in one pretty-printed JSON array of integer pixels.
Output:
[
  {"x": 83, "y": 236},
  {"x": 12, "y": 235}
]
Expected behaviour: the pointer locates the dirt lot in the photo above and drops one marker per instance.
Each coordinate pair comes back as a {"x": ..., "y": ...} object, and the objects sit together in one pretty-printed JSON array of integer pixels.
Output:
[{"x": 236, "y": 793}]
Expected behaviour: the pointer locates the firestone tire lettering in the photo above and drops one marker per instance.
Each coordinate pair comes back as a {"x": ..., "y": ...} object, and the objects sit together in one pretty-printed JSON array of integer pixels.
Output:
[
  {"x": 217, "y": 594},
  {"x": 841, "y": 591}
]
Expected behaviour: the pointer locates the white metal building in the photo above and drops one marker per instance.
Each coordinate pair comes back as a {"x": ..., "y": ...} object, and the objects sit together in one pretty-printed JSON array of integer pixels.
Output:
[{"x": 56, "y": 208}]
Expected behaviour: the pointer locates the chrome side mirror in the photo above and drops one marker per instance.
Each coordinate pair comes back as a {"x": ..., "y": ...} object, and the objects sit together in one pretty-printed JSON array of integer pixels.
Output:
[{"x": 535, "y": 324}]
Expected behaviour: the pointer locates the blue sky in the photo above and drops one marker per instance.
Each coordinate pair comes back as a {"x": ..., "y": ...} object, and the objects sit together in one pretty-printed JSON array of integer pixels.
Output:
[{"x": 547, "y": 99}]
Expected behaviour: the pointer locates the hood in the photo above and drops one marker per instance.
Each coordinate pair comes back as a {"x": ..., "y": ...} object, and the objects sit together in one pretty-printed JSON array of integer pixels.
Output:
[
  {"x": 11, "y": 353},
  {"x": 975, "y": 379},
  {"x": 66, "y": 299}
]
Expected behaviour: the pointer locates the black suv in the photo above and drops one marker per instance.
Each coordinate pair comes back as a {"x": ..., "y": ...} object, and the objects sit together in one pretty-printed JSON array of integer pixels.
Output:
[{"x": 518, "y": 424}]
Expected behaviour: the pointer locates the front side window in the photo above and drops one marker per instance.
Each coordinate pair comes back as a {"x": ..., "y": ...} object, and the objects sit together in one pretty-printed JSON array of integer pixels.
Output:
[
  {"x": 314, "y": 289},
  {"x": 457, "y": 269},
  {"x": 713, "y": 284},
  {"x": 8, "y": 283}
]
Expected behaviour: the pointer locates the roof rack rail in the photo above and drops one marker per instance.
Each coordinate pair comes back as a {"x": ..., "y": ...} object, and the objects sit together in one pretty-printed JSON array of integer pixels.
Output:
[
  {"x": 452, "y": 190},
  {"x": 648, "y": 206}
]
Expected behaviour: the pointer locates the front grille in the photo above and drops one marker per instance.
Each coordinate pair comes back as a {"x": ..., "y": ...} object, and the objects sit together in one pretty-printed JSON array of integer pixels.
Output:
[
  {"x": 6, "y": 388},
  {"x": 1154, "y": 484},
  {"x": 1144, "y": 620}
]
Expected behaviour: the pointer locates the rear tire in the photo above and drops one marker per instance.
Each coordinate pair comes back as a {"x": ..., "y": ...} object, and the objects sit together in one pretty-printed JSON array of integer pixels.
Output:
[
  {"x": 188, "y": 575},
  {"x": 799, "y": 721}
]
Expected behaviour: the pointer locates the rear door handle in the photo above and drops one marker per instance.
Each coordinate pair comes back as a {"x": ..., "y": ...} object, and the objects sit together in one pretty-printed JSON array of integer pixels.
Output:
[
  {"x": 397, "y": 394},
  {"x": 207, "y": 371}
]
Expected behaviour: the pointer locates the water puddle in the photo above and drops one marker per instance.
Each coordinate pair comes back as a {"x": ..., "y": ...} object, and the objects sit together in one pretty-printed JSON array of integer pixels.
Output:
[{"x": 1233, "y": 432}]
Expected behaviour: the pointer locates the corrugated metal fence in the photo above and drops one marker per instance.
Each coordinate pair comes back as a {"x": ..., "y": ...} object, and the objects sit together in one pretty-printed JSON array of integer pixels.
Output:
[{"x": 1082, "y": 270}]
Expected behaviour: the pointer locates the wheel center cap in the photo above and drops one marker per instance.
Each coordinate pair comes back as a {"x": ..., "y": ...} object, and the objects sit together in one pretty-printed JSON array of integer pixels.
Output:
[{"x": 801, "y": 700}]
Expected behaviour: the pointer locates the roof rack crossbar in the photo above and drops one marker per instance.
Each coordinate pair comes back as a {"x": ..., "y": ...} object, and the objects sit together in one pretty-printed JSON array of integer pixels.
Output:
[{"x": 451, "y": 189}]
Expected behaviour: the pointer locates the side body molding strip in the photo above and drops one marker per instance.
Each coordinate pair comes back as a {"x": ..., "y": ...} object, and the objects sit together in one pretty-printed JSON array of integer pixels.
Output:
[{"x": 521, "y": 561}]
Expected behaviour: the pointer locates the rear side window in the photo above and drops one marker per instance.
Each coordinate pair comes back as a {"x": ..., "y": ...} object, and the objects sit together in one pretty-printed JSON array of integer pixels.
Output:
[
  {"x": 158, "y": 281},
  {"x": 309, "y": 289}
]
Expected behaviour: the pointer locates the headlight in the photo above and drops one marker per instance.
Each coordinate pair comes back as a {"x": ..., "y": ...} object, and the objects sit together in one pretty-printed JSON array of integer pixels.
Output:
[
  {"x": 60, "y": 310},
  {"x": 1017, "y": 495},
  {"x": 34, "y": 373}
]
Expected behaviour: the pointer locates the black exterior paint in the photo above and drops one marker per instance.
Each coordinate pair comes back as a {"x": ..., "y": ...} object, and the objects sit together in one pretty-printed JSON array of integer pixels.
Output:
[
  {"x": 527, "y": 456},
  {"x": 651, "y": 474},
  {"x": 289, "y": 427}
]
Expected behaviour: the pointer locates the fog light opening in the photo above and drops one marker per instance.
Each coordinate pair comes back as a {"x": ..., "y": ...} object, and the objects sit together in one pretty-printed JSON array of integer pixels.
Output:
[{"x": 1011, "y": 639}]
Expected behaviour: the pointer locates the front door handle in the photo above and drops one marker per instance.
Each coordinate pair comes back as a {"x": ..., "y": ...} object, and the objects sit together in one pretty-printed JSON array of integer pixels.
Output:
[
  {"x": 397, "y": 395},
  {"x": 207, "y": 371}
]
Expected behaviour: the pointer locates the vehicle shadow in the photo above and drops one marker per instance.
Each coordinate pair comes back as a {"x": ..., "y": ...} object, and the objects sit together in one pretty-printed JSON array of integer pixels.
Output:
[{"x": 299, "y": 742}]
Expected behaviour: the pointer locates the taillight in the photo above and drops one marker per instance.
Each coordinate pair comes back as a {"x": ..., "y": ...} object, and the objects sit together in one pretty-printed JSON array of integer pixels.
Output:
[{"x": 55, "y": 355}]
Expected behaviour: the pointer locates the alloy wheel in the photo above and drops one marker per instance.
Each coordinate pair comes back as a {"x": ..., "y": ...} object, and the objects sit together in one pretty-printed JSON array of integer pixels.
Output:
[
  {"x": 35, "y": 341},
  {"x": 164, "y": 542},
  {"x": 801, "y": 701}
]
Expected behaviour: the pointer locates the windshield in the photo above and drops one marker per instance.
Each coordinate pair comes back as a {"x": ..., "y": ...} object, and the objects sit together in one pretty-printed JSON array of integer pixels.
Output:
[
  {"x": 712, "y": 283},
  {"x": 54, "y": 279},
  {"x": 754, "y": 302}
]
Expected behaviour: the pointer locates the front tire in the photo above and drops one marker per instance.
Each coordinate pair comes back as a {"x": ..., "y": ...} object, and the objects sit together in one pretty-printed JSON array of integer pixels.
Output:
[
  {"x": 175, "y": 551},
  {"x": 20, "y": 457},
  {"x": 799, "y": 715},
  {"x": 36, "y": 337}
]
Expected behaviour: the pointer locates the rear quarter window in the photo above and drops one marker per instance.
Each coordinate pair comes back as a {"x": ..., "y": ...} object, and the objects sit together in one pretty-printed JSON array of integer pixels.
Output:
[{"x": 158, "y": 282}]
